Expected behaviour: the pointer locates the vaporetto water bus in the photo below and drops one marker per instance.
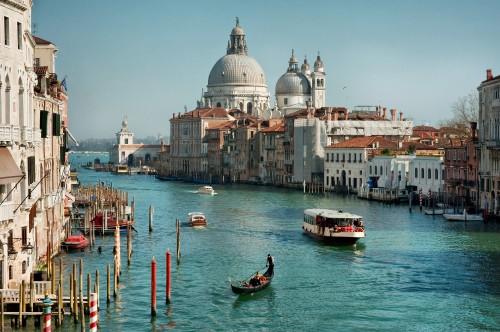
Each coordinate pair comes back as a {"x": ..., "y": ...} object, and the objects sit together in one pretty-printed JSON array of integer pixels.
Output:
[{"x": 333, "y": 226}]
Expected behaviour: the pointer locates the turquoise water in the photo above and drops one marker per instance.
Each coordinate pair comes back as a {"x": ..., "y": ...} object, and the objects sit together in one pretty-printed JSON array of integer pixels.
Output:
[{"x": 411, "y": 273}]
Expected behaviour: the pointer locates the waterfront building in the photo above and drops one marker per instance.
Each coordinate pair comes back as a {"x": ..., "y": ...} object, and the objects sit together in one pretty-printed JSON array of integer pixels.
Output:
[
  {"x": 272, "y": 157},
  {"x": 34, "y": 173},
  {"x": 427, "y": 173},
  {"x": 188, "y": 146},
  {"x": 218, "y": 158},
  {"x": 126, "y": 152},
  {"x": 489, "y": 141},
  {"x": 346, "y": 162},
  {"x": 461, "y": 172}
]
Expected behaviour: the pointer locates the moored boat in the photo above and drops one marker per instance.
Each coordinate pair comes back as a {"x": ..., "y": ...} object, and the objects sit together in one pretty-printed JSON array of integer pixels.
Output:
[
  {"x": 439, "y": 209},
  {"x": 257, "y": 283},
  {"x": 75, "y": 242},
  {"x": 208, "y": 190},
  {"x": 333, "y": 226},
  {"x": 462, "y": 217},
  {"x": 197, "y": 219}
]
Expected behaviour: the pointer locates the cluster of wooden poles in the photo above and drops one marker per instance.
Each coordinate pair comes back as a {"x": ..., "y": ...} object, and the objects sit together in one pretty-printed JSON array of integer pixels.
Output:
[{"x": 153, "y": 266}]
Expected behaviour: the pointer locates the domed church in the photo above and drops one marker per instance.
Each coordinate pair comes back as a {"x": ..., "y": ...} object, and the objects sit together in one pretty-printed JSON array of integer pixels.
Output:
[
  {"x": 296, "y": 87},
  {"x": 237, "y": 81}
]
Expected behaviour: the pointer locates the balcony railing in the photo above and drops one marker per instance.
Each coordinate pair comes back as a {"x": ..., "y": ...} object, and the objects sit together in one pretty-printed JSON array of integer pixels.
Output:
[
  {"x": 6, "y": 211},
  {"x": 10, "y": 134}
]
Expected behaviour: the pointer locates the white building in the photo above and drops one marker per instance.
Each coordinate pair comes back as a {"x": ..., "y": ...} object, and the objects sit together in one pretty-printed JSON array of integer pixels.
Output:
[
  {"x": 125, "y": 152},
  {"x": 427, "y": 173}
]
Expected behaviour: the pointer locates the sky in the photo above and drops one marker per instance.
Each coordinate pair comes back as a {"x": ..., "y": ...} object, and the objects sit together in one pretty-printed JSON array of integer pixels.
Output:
[{"x": 146, "y": 60}]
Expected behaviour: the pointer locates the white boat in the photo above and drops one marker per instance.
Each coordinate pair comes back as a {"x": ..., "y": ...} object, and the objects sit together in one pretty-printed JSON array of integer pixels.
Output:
[
  {"x": 206, "y": 190},
  {"x": 333, "y": 226},
  {"x": 462, "y": 217},
  {"x": 197, "y": 219},
  {"x": 439, "y": 209},
  {"x": 121, "y": 170}
]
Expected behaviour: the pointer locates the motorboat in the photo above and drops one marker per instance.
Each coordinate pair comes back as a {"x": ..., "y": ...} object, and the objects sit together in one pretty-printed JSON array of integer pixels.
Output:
[
  {"x": 333, "y": 226},
  {"x": 462, "y": 217},
  {"x": 208, "y": 190},
  {"x": 75, "y": 242},
  {"x": 439, "y": 209},
  {"x": 197, "y": 219}
]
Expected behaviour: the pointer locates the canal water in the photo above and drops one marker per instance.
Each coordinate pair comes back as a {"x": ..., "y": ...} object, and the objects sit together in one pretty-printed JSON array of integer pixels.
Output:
[{"x": 411, "y": 273}]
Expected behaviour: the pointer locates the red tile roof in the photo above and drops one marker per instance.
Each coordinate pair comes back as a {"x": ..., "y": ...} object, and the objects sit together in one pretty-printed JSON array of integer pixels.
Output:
[
  {"x": 216, "y": 112},
  {"x": 365, "y": 142},
  {"x": 279, "y": 128},
  {"x": 41, "y": 41}
]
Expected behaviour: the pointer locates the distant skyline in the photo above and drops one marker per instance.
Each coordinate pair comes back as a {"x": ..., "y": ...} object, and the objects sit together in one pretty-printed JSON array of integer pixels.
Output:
[{"x": 147, "y": 60}]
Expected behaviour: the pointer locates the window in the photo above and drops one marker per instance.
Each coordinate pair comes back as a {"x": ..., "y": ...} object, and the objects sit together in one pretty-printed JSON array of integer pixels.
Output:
[
  {"x": 6, "y": 31},
  {"x": 37, "y": 62},
  {"x": 327, "y": 160},
  {"x": 19, "y": 36},
  {"x": 126, "y": 140},
  {"x": 285, "y": 101},
  {"x": 24, "y": 236},
  {"x": 436, "y": 174},
  {"x": 44, "y": 115},
  {"x": 429, "y": 174},
  {"x": 422, "y": 173},
  {"x": 416, "y": 173},
  {"x": 31, "y": 170},
  {"x": 349, "y": 160},
  {"x": 375, "y": 170},
  {"x": 381, "y": 170},
  {"x": 56, "y": 124},
  {"x": 370, "y": 169}
]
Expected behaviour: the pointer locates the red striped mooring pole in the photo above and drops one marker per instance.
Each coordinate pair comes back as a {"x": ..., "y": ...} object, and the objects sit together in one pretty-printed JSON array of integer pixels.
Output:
[
  {"x": 93, "y": 312},
  {"x": 168, "y": 276},
  {"x": 47, "y": 313},
  {"x": 153, "y": 287}
]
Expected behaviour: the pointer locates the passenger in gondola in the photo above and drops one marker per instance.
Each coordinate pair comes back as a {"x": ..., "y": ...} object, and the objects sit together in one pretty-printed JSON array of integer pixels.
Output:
[{"x": 255, "y": 281}]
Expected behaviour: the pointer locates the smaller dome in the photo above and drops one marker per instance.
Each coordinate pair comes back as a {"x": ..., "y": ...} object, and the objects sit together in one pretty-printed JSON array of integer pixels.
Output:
[
  {"x": 237, "y": 30},
  {"x": 305, "y": 66},
  {"x": 293, "y": 84},
  {"x": 124, "y": 123},
  {"x": 318, "y": 63}
]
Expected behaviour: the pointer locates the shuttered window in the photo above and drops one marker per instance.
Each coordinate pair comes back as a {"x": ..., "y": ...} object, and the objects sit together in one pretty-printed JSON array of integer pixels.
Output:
[
  {"x": 44, "y": 117},
  {"x": 31, "y": 170},
  {"x": 56, "y": 125}
]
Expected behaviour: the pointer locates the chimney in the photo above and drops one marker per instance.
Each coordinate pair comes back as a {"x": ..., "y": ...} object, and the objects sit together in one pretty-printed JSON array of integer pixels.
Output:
[
  {"x": 384, "y": 114},
  {"x": 473, "y": 127},
  {"x": 329, "y": 114},
  {"x": 400, "y": 116},
  {"x": 346, "y": 113},
  {"x": 393, "y": 115},
  {"x": 336, "y": 116},
  {"x": 489, "y": 74}
]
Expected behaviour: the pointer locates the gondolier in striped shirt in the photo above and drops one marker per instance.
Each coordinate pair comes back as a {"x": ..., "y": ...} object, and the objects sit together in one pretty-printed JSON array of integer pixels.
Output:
[{"x": 270, "y": 263}]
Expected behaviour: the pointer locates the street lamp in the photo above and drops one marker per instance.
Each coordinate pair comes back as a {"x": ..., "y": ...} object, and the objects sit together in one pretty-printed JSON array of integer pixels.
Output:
[
  {"x": 28, "y": 248},
  {"x": 12, "y": 253}
]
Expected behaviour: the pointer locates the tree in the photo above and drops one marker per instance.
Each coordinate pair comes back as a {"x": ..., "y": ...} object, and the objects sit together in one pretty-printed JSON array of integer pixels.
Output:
[{"x": 465, "y": 110}]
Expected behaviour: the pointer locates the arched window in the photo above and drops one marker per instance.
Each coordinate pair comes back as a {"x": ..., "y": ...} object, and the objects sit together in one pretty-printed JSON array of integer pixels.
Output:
[
  {"x": 249, "y": 108},
  {"x": 416, "y": 173},
  {"x": 381, "y": 170},
  {"x": 422, "y": 173},
  {"x": 436, "y": 174},
  {"x": 429, "y": 173}
]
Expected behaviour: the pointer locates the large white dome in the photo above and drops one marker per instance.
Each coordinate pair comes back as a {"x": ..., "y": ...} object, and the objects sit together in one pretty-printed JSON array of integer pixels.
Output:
[{"x": 236, "y": 69}]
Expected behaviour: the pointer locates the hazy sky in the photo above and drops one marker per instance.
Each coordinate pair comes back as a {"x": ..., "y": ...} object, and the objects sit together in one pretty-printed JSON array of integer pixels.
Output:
[{"x": 147, "y": 59}]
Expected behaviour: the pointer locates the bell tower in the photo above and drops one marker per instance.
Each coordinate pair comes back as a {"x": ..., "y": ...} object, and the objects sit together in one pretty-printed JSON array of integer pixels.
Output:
[
  {"x": 124, "y": 136},
  {"x": 318, "y": 80}
]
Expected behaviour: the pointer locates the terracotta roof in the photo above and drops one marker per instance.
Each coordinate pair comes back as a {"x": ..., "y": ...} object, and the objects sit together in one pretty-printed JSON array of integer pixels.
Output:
[
  {"x": 216, "y": 112},
  {"x": 491, "y": 79},
  {"x": 365, "y": 142},
  {"x": 41, "y": 41},
  {"x": 425, "y": 128},
  {"x": 419, "y": 146},
  {"x": 227, "y": 124},
  {"x": 279, "y": 128}
]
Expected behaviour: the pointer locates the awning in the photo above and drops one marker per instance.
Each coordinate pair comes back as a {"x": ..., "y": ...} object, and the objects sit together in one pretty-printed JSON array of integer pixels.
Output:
[
  {"x": 72, "y": 137},
  {"x": 9, "y": 171}
]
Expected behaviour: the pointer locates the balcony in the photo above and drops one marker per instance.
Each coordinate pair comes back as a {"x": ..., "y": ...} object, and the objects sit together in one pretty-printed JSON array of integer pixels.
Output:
[
  {"x": 10, "y": 135},
  {"x": 270, "y": 146},
  {"x": 6, "y": 211},
  {"x": 289, "y": 162}
]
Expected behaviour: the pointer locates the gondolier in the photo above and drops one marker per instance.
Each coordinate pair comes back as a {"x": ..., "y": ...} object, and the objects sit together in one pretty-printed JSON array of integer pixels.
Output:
[{"x": 270, "y": 263}]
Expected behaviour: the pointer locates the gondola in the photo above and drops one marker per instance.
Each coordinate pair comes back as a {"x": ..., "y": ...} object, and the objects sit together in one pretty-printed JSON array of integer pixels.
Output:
[{"x": 244, "y": 288}]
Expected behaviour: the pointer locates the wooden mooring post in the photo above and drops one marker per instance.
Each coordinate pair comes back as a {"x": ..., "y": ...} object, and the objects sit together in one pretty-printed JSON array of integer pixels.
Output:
[
  {"x": 178, "y": 228},
  {"x": 151, "y": 212}
]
